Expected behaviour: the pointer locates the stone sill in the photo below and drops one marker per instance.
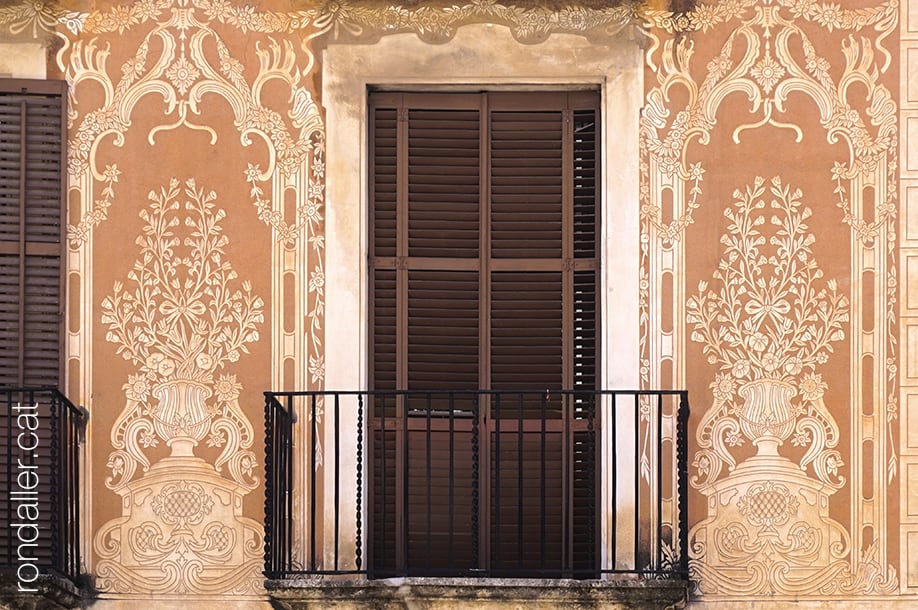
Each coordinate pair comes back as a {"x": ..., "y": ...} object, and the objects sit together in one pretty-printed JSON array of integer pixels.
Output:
[
  {"x": 486, "y": 593},
  {"x": 54, "y": 593}
]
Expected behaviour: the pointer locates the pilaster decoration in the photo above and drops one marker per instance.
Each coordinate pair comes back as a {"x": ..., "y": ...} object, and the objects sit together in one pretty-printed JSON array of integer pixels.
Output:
[
  {"x": 185, "y": 62},
  {"x": 183, "y": 320},
  {"x": 770, "y": 58}
]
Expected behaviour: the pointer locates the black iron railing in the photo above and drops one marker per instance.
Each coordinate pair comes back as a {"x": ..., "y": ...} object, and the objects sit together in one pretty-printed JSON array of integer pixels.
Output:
[
  {"x": 39, "y": 462},
  {"x": 539, "y": 483}
]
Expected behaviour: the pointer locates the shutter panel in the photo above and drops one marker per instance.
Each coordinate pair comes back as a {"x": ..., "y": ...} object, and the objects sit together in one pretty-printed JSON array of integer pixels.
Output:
[
  {"x": 31, "y": 195},
  {"x": 384, "y": 180},
  {"x": 443, "y": 183},
  {"x": 584, "y": 331},
  {"x": 439, "y": 538},
  {"x": 526, "y": 330},
  {"x": 585, "y": 181},
  {"x": 42, "y": 324},
  {"x": 442, "y": 330},
  {"x": 384, "y": 329},
  {"x": 526, "y": 184}
]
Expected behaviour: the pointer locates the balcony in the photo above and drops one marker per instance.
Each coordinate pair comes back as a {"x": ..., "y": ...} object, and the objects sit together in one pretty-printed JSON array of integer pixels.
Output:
[
  {"x": 40, "y": 515},
  {"x": 542, "y": 495}
]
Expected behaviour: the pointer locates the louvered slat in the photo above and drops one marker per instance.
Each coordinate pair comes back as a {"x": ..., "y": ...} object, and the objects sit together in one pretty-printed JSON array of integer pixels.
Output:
[
  {"x": 443, "y": 183},
  {"x": 442, "y": 330},
  {"x": 526, "y": 330},
  {"x": 584, "y": 331},
  {"x": 585, "y": 183},
  {"x": 384, "y": 329},
  {"x": 526, "y": 184},
  {"x": 42, "y": 320},
  {"x": 385, "y": 176}
]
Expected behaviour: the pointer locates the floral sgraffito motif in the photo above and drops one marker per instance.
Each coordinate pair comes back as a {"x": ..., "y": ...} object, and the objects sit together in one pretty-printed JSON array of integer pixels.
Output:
[
  {"x": 182, "y": 324},
  {"x": 767, "y": 324}
]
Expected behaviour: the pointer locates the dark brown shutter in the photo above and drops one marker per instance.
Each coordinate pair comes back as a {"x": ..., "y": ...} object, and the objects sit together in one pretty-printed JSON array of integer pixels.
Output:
[
  {"x": 483, "y": 258},
  {"x": 31, "y": 202}
]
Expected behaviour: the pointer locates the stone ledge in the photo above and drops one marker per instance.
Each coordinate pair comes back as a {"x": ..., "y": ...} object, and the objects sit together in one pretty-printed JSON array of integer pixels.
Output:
[
  {"x": 491, "y": 593},
  {"x": 54, "y": 593}
]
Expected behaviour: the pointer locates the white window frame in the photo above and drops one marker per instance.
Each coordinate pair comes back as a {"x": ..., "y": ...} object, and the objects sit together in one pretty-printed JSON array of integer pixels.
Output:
[{"x": 484, "y": 56}]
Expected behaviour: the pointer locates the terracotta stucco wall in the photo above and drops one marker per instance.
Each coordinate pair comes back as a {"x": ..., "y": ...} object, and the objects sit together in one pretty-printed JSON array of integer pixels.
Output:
[{"x": 774, "y": 270}]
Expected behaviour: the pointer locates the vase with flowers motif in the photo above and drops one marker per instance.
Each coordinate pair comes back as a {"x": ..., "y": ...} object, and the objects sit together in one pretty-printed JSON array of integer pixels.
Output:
[
  {"x": 181, "y": 418},
  {"x": 767, "y": 416}
]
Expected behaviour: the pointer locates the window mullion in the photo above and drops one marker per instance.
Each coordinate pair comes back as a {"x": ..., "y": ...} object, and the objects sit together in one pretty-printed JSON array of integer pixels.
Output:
[
  {"x": 484, "y": 255},
  {"x": 567, "y": 245},
  {"x": 401, "y": 248}
]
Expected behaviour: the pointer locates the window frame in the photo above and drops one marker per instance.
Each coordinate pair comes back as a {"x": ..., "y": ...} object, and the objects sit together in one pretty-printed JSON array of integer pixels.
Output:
[{"x": 483, "y": 56}]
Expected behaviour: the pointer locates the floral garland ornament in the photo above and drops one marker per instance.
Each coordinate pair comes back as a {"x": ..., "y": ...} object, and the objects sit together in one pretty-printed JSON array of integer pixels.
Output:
[
  {"x": 181, "y": 324},
  {"x": 768, "y": 323}
]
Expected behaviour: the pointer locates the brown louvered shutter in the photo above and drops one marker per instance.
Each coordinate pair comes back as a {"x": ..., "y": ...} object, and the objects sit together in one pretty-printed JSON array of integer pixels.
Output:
[
  {"x": 32, "y": 124},
  {"x": 483, "y": 269}
]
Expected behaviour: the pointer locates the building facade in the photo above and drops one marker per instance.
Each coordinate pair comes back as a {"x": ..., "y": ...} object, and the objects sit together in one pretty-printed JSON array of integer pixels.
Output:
[{"x": 754, "y": 245}]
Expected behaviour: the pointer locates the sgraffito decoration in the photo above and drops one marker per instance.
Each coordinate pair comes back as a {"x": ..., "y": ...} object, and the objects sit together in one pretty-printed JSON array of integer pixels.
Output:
[
  {"x": 184, "y": 319},
  {"x": 765, "y": 392},
  {"x": 182, "y": 58},
  {"x": 767, "y": 323}
]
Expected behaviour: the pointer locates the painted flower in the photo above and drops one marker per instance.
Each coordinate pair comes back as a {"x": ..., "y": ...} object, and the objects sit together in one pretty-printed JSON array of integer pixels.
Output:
[
  {"x": 317, "y": 281},
  {"x": 758, "y": 342},
  {"x": 801, "y": 439},
  {"x": 833, "y": 463},
  {"x": 741, "y": 368},
  {"x": 704, "y": 17},
  {"x": 183, "y": 74},
  {"x": 703, "y": 464},
  {"x": 829, "y": 15},
  {"x": 217, "y": 439},
  {"x": 794, "y": 365},
  {"x": 204, "y": 361},
  {"x": 137, "y": 388},
  {"x": 227, "y": 389},
  {"x": 770, "y": 362},
  {"x": 153, "y": 361},
  {"x": 116, "y": 463},
  {"x": 722, "y": 386},
  {"x": 148, "y": 440},
  {"x": 166, "y": 367},
  {"x": 767, "y": 73},
  {"x": 576, "y": 19},
  {"x": 812, "y": 387},
  {"x": 733, "y": 439},
  {"x": 317, "y": 368}
]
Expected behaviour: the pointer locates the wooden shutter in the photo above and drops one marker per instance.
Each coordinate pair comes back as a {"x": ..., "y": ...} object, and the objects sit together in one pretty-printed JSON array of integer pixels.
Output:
[
  {"x": 31, "y": 202},
  {"x": 483, "y": 265}
]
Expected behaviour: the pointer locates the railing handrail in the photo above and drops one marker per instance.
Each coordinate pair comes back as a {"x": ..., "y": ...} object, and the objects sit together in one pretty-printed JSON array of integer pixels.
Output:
[
  {"x": 477, "y": 391},
  {"x": 283, "y": 413}
]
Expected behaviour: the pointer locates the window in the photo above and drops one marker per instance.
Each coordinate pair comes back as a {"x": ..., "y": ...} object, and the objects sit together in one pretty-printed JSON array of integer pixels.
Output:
[
  {"x": 31, "y": 252},
  {"x": 484, "y": 263},
  {"x": 32, "y": 124}
]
